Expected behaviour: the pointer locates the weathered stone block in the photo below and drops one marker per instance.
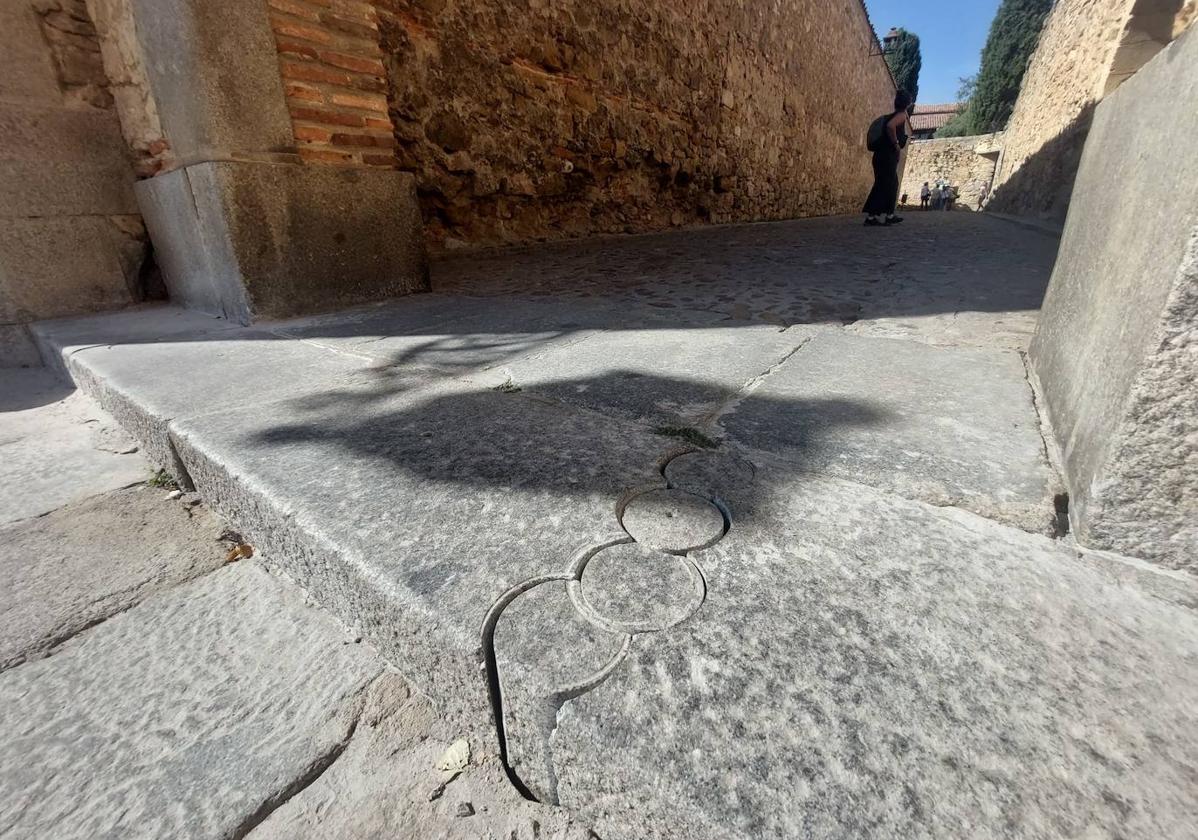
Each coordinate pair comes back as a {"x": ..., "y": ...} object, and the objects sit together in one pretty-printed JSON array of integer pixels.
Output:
[
  {"x": 39, "y": 188},
  {"x": 1116, "y": 349},
  {"x": 26, "y": 72},
  {"x": 60, "y": 266},
  {"x": 43, "y": 134},
  {"x": 255, "y": 240},
  {"x": 214, "y": 73},
  {"x": 187, "y": 716}
]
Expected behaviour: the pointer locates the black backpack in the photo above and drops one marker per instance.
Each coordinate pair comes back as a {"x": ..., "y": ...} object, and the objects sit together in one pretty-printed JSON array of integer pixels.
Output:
[{"x": 877, "y": 132}]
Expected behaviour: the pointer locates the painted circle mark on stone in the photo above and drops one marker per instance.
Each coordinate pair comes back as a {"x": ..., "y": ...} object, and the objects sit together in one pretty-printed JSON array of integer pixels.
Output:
[
  {"x": 673, "y": 520},
  {"x": 633, "y": 589}
]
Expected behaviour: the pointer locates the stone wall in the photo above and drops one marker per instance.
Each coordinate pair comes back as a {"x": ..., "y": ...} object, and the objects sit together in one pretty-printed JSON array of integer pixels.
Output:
[
  {"x": 71, "y": 236},
  {"x": 965, "y": 162},
  {"x": 1116, "y": 349},
  {"x": 525, "y": 120},
  {"x": 1086, "y": 49}
]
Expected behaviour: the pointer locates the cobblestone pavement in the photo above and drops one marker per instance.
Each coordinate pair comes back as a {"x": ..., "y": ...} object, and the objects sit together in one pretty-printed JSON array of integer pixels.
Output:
[
  {"x": 725, "y": 533},
  {"x": 946, "y": 278}
]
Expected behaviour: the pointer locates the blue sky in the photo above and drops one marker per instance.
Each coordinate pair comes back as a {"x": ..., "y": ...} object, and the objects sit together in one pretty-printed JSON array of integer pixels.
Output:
[{"x": 951, "y": 34}]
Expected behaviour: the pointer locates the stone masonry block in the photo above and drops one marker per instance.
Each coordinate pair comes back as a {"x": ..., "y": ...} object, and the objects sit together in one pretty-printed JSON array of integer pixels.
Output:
[
  {"x": 213, "y": 70},
  {"x": 1116, "y": 348},
  {"x": 65, "y": 265},
  {"x": 257, "y": 240}
]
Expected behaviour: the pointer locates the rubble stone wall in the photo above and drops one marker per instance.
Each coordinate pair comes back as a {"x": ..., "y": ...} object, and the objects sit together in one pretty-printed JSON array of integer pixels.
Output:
[
  {"x": 965, "y": 162},
  {"x": 526, "y": 120},
  {"x": 71, "y": 236},
  {"x": 1086, "y": 49}
]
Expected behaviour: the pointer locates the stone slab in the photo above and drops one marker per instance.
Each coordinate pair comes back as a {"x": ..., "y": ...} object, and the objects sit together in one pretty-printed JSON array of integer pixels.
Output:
[
  {"x": 411, "y": 511},
  {"x": 659, "y": 374},
  {"x": 866, "y": 666},
  {"x": 224, "y": 370},
  {"x": 57, "y": 446},
  {"x": 456, "y": 335},
  {"x": 949, "y": 427},
  {"x": 58, "y": 339},
  {"x": 1115, "y": 349},
  {"x": 387, "y": 783},
  {"x": 26, "y": 71},
  {"x": 254, "y": 240},
  {"x": 48, "y": 134},
  {"x": 87, "y": 561},
  {"x": 192, "y": 715},
  {"x": 196, "y": 272}
]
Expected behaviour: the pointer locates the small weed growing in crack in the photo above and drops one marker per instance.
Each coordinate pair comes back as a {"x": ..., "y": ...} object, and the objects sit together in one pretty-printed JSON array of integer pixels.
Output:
[
  {"x": 686, "y": 433},
  {"x": 508, "y": 386},
  {"x": 162, "y": 479}
]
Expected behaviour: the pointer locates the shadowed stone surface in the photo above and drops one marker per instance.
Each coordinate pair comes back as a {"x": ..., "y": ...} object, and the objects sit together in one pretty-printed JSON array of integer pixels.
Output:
[
  {"x": 206, "y": 705},
  {"x": 675, "y": 372},
  {"x": 411, "y": 511},
  {"x": 82, "y": 563},
  {"x": 950, "y": 427},
  {"x": 922, "y": 281},
  {"x": 897, "y": 671}
]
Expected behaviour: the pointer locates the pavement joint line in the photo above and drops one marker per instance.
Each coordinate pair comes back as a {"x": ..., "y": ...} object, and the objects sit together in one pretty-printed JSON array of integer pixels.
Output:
[{"x": 1048, "y": 445}]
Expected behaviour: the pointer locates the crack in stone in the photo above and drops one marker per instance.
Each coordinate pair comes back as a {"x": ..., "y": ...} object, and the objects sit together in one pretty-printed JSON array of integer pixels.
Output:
[
  {"x": 751, "y": 385},
  {"x": 310, "y": 775}
]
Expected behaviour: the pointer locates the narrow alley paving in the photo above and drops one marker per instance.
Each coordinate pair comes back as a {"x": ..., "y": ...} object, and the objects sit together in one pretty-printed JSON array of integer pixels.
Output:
[{"x": 751, "y": 531}]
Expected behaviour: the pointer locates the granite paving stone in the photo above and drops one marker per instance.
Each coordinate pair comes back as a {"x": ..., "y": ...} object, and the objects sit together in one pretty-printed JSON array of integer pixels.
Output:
[
  {"x": 78, "y": 565},
  {"x": 665, "y": 375},
  {"x": 869, "y": 666},
  {"x": 881, "y": 641},
  {"x": 410, "y": 513},
  {"x": 946, "y": 426},
  {"x": 191, "y": 715}
]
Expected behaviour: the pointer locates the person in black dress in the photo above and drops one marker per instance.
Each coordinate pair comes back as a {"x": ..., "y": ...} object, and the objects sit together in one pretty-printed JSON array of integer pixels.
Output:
[{"x": 884, "y": 196}]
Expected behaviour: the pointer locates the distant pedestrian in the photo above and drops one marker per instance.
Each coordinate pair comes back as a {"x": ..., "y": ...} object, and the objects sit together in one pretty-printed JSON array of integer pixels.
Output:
[
  {"x": 886, "y": 139},
  {"x": 983, "y": 195},
  {"x": 903, "y": 200},
  {"x": 925, "y": 195},
  {"x": 950, "y": 196},
  {"x": 937, "y": 196}
]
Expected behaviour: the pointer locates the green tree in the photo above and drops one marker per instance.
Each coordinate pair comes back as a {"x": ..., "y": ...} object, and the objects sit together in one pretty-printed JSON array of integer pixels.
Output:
[
  {"x": 1010, "y": 44},
  {"x": 905, "y": 61}
]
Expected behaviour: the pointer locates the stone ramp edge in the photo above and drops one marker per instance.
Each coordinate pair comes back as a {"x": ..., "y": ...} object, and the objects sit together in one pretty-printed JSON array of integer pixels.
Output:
[{"x": 444, "y": 665}]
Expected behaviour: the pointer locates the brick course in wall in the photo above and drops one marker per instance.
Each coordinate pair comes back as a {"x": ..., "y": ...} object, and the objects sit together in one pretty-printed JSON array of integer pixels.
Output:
[{"x": 330, "y": 60}]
